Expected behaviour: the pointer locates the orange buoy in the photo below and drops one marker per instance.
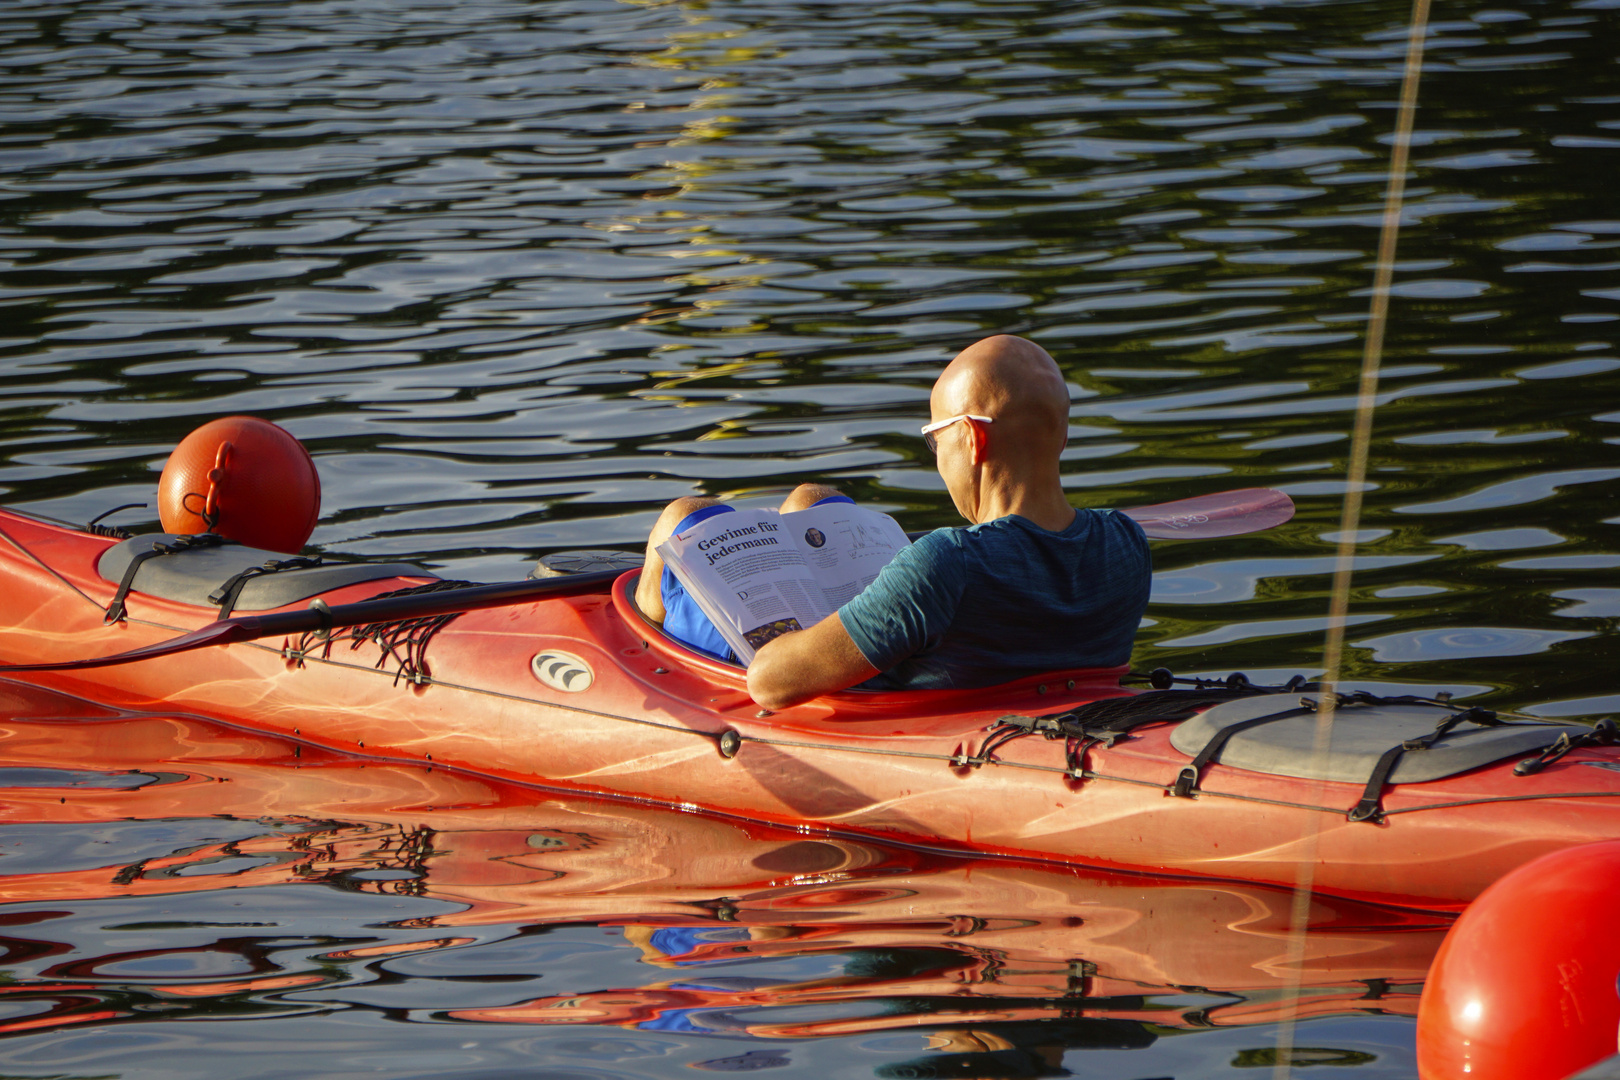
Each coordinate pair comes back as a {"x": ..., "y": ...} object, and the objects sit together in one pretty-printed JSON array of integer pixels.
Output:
[
  {"x": 1523, "y": 987},
  {"x": 245, "y": 479}
]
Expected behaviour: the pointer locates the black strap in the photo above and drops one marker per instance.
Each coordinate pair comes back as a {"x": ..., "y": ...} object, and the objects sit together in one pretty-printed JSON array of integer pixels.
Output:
[
  {"x": 1603, "y": 733},
  {"x": 1186, "y": 784},
  {"x": 227, "y": 594},
  {"x": 1163, "y": 679},
  {"x": 1105, "y": 721},
  {"x": 404, "y": 640},
  {"x": 96, "y": 528},
  {"x": 1075, "y": 748},
  {"x": 115, "y": 610},
  {"x": 1370, "y": 808}
]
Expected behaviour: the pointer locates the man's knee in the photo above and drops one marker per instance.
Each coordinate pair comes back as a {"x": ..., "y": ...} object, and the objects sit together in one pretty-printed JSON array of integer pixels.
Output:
[
  {"x": 676, "y": 512},
  {"x": 807, "y": 495},
  {"x": 648, "y": 588}
]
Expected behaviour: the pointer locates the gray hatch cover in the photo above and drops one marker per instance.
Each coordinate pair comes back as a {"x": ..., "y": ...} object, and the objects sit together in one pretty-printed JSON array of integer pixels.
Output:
[
  {"x": 189, "y": 576},
  {"x": 1361, "y": 734}
]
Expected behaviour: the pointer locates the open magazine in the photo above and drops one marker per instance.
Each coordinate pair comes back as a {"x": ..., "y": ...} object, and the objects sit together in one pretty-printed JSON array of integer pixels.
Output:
[{"x": 760, "y": 573}]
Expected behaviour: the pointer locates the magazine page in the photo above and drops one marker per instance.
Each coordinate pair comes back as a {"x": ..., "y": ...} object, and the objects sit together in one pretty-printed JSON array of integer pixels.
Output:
[
  {"x": 844, "y": 546},
  {"x": 748, "y": 575}
]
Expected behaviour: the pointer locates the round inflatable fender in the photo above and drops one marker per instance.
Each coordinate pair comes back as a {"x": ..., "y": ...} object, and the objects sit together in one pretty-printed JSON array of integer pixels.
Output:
[
  {"x": 245, "y": 479},
  {"x": 1524, "y": 985}
]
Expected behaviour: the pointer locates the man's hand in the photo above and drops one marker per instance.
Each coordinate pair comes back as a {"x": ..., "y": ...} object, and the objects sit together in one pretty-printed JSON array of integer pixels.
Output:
[{"x": 799, "y": 666}]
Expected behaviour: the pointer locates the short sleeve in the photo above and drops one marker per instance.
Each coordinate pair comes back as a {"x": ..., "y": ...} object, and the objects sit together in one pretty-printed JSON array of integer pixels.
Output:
[{"x": 909, "y": 606}]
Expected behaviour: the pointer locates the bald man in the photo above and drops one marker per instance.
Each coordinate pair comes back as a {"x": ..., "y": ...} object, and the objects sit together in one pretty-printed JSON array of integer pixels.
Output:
[{"x": 1032, "y": 585}]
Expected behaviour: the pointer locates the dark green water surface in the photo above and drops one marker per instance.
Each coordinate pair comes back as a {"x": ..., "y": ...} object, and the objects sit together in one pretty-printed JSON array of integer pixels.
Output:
[{"x": 519, "y": 273}]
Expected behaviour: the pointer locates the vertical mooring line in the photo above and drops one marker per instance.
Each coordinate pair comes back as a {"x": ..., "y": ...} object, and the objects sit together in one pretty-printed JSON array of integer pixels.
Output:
[{"x": 1350, "y": 522}]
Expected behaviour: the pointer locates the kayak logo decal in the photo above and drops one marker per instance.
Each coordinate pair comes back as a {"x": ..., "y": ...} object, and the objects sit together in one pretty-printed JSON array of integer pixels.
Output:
[
  {"x": 562, "y": 671},
  {"x": 1603, "y": 765}
]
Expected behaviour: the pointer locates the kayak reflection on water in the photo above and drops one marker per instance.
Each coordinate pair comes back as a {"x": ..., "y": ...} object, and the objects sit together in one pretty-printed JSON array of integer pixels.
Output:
[
  {"x": 1031, "y": 585},
  {"x": 484, "y": 904}
]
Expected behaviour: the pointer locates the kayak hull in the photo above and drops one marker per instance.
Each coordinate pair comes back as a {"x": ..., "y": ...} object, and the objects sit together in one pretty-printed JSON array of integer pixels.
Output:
[{"x": 644, "y": 718}]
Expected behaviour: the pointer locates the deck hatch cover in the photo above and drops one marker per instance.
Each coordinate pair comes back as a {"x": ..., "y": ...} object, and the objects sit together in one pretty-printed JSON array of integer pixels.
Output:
[
  {"x": 191, "y": 576},
  {"x": 1361, "y": 735}
]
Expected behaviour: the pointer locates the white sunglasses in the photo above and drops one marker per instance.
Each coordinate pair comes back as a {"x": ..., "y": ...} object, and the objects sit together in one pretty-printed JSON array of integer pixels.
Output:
[{"x": 928, "y": 430}]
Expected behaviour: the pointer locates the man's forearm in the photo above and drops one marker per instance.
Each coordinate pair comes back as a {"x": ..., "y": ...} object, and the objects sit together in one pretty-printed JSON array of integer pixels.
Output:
[{"x": 797, "y": 667}]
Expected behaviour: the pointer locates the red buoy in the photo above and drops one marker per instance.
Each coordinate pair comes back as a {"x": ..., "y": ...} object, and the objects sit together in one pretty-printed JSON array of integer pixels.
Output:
[
  {"x": 245, "y": 479},
  {"x": 1523, "y": 987}
]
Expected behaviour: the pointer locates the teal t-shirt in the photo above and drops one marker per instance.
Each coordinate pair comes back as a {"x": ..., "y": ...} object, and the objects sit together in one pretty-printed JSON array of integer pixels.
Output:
[{"x": 993, "y": 602}]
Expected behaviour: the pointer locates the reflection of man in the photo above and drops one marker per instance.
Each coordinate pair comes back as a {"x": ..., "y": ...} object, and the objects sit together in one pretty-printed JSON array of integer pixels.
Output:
[
  {"x": 1031, "y": 586},
  {"x": 814, "y": 537}
]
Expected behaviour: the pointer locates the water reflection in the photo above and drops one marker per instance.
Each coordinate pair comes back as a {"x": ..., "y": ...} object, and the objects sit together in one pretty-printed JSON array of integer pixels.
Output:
[{"x": 248, "y": 881}]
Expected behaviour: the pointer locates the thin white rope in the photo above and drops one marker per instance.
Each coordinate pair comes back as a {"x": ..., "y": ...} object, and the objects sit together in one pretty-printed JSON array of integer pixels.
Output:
[{"x": 1350, "y": 522}]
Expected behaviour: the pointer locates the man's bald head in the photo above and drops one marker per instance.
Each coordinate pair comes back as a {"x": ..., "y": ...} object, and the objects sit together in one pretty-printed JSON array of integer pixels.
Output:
[{"x": 1018, "y": 384}]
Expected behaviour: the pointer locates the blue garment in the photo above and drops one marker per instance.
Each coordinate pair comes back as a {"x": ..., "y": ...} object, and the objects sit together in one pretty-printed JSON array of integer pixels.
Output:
[
  {"x": 680, "y": 940},
  {"x": 683, "y": 619},
  {"x": 686, "y": 1020},
  {"x": 993, "y": 602}
]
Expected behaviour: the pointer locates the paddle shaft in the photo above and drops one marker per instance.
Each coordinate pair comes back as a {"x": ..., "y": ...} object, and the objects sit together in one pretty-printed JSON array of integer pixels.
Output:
[
  {"x": 1186, "y": 519},
  {"x": 1223, "y": 514},
  {"x": 417, "y": 606},
  {"x": 323, "y": 619}
]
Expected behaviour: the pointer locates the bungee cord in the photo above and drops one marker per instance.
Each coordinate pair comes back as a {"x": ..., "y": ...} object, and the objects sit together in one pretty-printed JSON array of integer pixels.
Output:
[{"x": 1350, "y": 518}]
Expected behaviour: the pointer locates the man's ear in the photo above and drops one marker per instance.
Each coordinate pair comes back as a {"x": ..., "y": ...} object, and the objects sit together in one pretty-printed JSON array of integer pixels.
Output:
[{"x": 981, "y": 440}]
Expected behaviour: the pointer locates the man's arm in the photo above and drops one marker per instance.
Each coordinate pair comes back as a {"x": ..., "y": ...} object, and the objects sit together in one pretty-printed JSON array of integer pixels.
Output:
[{"x": 799, "y": 666}]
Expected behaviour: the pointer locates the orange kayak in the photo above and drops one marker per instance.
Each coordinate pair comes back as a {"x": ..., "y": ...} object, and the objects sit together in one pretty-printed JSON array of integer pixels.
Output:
[{"x": 1417, "y": 803}]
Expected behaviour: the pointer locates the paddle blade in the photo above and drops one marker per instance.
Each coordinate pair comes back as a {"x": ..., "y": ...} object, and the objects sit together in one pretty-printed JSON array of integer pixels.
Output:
[
  {"x": 215, "y": 633},
  {"x": 1226, "y": 513}
]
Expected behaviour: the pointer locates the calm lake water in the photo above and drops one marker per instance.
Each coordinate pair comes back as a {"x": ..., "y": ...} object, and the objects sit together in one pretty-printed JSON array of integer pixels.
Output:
[{"x": 518, "y": 273}]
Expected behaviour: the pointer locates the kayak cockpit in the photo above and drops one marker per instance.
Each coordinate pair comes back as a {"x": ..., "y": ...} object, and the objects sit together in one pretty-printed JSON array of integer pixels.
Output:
[{"x": 1041, "y": 693}]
